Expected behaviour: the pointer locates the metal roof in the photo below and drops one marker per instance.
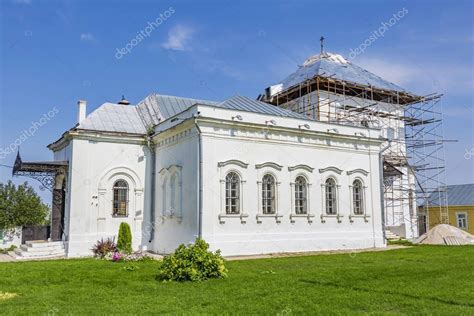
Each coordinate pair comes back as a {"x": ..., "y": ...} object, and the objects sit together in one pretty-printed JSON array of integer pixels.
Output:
[
  {"x": 460, "y": 194},
  {"x": 336, "y": 67},
  {"x": 111, "y": 117},
  {"x": 241, "y": 103},
  {"x": 157, "y": 107}
]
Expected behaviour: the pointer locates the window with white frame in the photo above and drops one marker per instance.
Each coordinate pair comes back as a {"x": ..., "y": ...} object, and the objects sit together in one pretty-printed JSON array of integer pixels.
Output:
[
  {"x": 301, "y": 195},
  {"x": 232, "y": 193},
  {"x": 120, "y": 198},
  {"x": 331, "y": 196},
  {"x": 268, "y": 194},
  {"x": 358, "y": 197},
  {"x": 461, "y": 220}
]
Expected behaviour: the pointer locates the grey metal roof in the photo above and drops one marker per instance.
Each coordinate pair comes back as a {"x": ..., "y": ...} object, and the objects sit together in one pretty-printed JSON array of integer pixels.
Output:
[
  {"x": 157, "y": 107},
  {"x": 241, "y": 103},
  {"x": 335, "y": 66},
  {"x": 114, "y": 118},
  {"x": 460, "y": 194}
]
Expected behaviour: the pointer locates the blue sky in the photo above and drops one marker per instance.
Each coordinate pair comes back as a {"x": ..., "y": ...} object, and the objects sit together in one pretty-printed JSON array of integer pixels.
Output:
[{"x": 55, "y": 53}]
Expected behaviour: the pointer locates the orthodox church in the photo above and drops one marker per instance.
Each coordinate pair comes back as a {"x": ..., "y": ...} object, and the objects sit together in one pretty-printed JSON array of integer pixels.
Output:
[{"x": 247, "y": 175}]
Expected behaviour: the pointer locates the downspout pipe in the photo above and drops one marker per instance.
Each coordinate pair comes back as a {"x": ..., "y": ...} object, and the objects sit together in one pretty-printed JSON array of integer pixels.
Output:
[
  {"x": 199, "y": 180},
  {"x": 151, "y": 146},
  {"x": 382, "y": 199}
]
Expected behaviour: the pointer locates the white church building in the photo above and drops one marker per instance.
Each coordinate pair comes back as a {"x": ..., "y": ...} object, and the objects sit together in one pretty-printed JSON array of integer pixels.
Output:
[{"x": 247, "y": 176}]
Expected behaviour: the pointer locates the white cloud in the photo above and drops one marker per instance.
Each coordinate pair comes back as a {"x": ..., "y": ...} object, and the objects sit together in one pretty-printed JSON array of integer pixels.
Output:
[
  {"x": 422, "y": 77},
  {"x": 87, "y": 37},
  {"x": 178, "y": 38}
]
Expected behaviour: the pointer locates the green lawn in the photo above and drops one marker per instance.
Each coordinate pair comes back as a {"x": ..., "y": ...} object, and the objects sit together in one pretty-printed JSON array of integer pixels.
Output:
[{"x": 418, "y": 280}]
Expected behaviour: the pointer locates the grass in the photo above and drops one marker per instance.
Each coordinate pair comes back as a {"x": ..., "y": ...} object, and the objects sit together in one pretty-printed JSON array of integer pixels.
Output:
[
  {"x": 401, "y": 242},
  {"x": 418, "y": 280}
]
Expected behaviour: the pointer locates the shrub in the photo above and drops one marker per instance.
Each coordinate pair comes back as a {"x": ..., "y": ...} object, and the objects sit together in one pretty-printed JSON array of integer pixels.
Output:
[
  {"x": 6, "y": 250},
  {"x": 104, "y": 247},
  {"x": 124, "y": 243},
  {"x": 192, "y": 263}
]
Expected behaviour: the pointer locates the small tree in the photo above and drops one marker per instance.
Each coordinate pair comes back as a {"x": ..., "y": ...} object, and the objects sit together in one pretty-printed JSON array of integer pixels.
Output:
[
  {"x": 20, "y": 206},
  {"x": 124, "y": 242}
]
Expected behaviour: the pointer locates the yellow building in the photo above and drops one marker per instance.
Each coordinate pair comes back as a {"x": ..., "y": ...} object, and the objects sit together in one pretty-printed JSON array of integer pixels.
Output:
[{"x": 460, "y": 207}]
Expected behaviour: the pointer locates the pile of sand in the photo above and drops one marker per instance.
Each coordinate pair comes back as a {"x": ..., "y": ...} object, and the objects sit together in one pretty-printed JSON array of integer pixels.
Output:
[{"x": 445, "y": 235}]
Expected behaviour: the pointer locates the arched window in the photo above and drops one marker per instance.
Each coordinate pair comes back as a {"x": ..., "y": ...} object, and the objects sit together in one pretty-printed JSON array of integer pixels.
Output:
[
  {"x": 358, "y": 197},
  {"x": 120, "y": 202},
  {"x": 331, "y": 198},
  {"x": 301, "y": 195},
  {"x": 232, "y": 193},
  {"x": 268, "y": 194}
]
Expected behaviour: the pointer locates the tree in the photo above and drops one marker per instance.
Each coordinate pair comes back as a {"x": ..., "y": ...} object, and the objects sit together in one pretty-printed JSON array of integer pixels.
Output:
[
  {"x": 124, "y": 242},
  {"x": 19, "y": 206}
]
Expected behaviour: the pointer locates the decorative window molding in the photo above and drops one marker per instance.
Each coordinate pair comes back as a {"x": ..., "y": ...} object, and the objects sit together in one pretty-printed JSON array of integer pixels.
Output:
[
  {"x": 303, "y": 167},
  {"x": 361, "y": 171},
  {"x": 105, "y": 196},
  {"x": 333, "y": 169},
  {"x": 223, "y": 214},
  {"x": 269, "y": 165},
  {"x": 273, "y": 202},
  {"x": 170, "y": 169},
  {"x": 357, "y": 184},
  {"x": 170, "y": 193},
  {"x": 233, "y": 162},
  {"x": 307, "y": 214},
  {"x": 335, "y": 203}
]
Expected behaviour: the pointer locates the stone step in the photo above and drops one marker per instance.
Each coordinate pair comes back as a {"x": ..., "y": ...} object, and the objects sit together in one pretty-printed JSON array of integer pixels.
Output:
[
  {"x": 39, "y": 254},
  {"x": 17, "y": 257},
  {"x": 40, "y": 249},
  {"x": 391, "y": 236},
  {"x": 43, "y": 243}
]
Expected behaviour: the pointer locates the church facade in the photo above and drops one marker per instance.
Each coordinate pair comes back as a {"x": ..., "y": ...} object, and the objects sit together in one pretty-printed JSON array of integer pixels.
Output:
[{"x": 248, "y": 177}]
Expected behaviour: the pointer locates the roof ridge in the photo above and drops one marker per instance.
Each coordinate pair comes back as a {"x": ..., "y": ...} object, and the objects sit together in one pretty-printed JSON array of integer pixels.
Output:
[{"x": 178, "y": 97}]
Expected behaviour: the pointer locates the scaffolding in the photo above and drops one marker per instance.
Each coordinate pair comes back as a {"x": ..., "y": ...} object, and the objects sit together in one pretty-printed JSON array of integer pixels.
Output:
[{"x": 414, "y": 164}]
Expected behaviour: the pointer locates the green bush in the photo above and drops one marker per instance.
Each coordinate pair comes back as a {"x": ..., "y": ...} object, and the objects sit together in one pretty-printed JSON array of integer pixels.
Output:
[
  {"x": 6, "y": 250},
  {"x": 192, "y": 263},
  {"x": 124, "y": 242}
]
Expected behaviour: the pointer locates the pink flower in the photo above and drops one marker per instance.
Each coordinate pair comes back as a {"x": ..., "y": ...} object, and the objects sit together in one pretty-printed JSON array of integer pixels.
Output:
[{"x": 116, "y": 256}]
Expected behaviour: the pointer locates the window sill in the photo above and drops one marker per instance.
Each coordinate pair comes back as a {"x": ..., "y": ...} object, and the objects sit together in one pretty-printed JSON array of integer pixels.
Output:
[
  {"x": 324, "y": 216},
  {"x": 242, "y": 217},
  {"x": 308, "y": 216},
  {"x": 276, "y": 216},
  {"x": 119, "y": 216},
  {"x": 364, "y": 216}
]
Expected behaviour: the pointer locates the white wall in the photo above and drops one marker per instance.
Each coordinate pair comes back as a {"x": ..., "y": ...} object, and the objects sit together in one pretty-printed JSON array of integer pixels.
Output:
[
  {"x": 177, "y": 151},
  {"x": 254, "y": 146},
  {"x": 95, "y": 165},
  {"x": 332, "y": 109},
  {"x": 10, "y": 239}
]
